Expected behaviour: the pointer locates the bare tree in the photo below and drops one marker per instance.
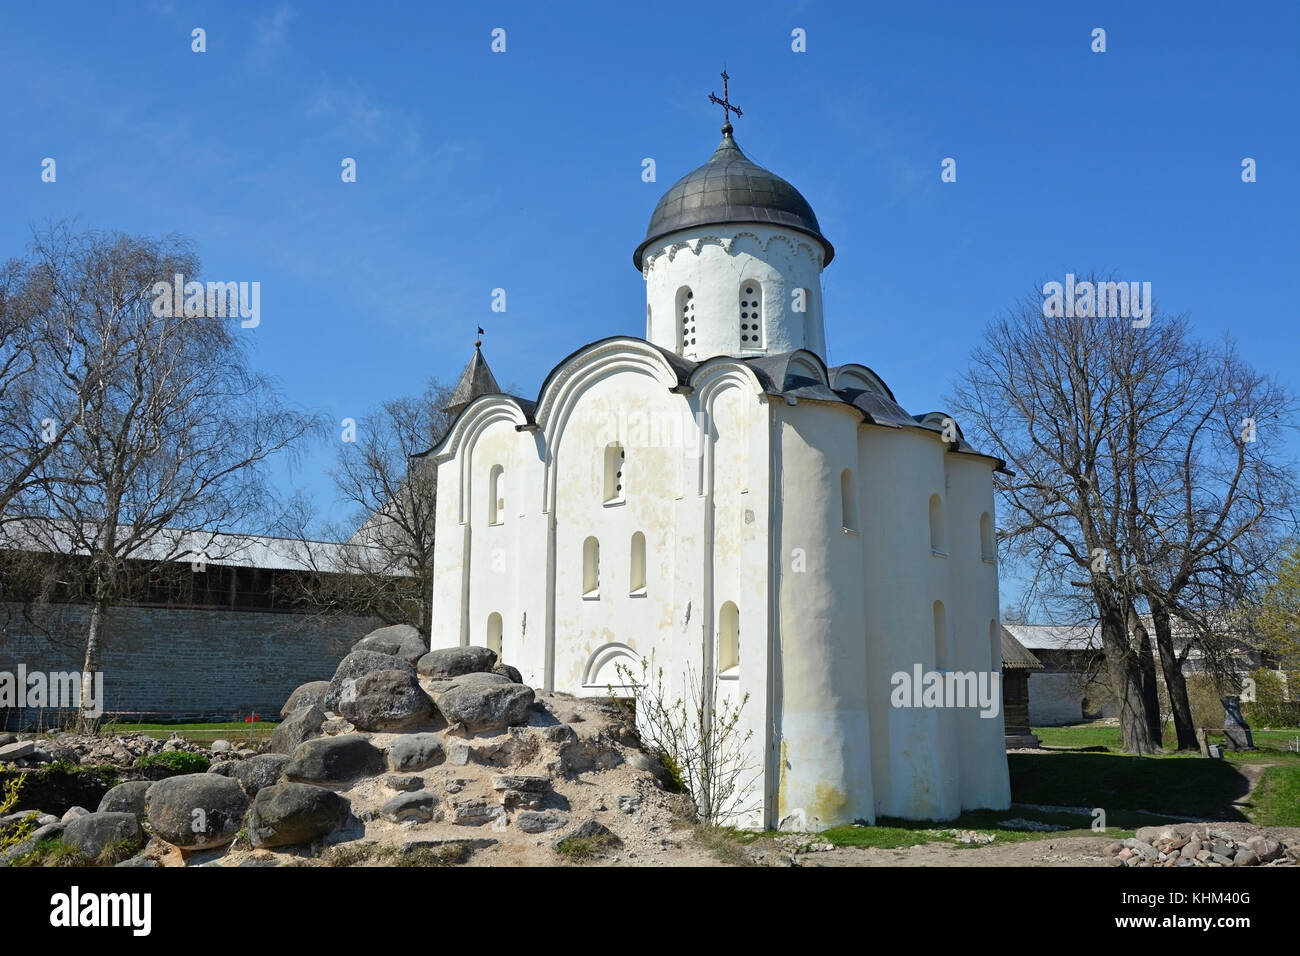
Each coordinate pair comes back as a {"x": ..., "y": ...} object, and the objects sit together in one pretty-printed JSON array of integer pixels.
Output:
[
  {"x": 1210, "y": 502},
  {"x": 33, "y": 420},
  {"x": 384, "y": 565},
  {"x": 174, "y": 429},
  {"x": 1041, "y": 394},
  {"x": 1130, "y": 487}
]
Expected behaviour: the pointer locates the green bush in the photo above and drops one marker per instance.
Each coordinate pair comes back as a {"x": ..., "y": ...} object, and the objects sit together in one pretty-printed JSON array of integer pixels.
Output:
[
  {"x": 1270, "y": 708},
  {"x": 1203, "y": 695},
  {"x": 177, "y": 761}
]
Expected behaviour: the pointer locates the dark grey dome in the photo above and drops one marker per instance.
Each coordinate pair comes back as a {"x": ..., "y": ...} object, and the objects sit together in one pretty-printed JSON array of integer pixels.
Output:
[{"x": 729, "y": 188}]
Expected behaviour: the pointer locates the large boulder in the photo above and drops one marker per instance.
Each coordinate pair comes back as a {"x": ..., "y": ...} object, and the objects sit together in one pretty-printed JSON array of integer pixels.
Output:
[
  {"x": 385, "y": 701},
  {"x": 126, "y": 798},
  {"x": 335, "y": 760},
  {"x": 47, "y": 832},
  {"x": 413, "y": 752},
  {"x": 196, "y": 811},
  {"x": 539, "y": 821},
  {"x": 255, "y": 773},
  {"x": 94, "y": 833},
  {"x": 480, "y": 677},
  {"x": 508, "y": 672},
  {"x": 399, "y": 640},
  {"x": 305, "y": 695},
  {"x": 358, "y": 664},
  {"x": 301, "y": 725},
  {"x": 454, "y": 661},
  {"x": 420, "y": 806},
  {"x": 481, "y": 707},
  {"x": 287, "y": 814}
]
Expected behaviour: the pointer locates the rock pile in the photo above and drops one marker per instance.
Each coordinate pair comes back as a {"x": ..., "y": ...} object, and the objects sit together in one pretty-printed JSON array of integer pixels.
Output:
[
  {"x": 1200, "y": 844},
  {"x": 402, "y": 750},
  {"x": 84, "y": 749}
]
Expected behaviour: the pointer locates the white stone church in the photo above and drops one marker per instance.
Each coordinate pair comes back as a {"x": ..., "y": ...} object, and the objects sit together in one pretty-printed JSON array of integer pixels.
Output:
[{"x": 715, "y": 497}]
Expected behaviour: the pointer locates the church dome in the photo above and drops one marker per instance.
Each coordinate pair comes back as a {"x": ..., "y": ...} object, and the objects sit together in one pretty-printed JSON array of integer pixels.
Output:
[{"x": 729, "y": 188}]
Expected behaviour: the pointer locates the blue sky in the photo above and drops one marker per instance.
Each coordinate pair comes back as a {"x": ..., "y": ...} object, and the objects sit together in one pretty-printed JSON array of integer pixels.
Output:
[{"x": 522, "y": 170}]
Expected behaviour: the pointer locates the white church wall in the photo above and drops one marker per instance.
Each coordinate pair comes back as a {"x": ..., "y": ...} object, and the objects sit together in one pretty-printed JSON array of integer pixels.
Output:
[
  {"x": 503, "y": 548},
  {"x": 629, "y": 409},
  {"x": 734, "y": 586},
  {"x": 903, "y": 578},
  {"x": 973, "y": 619},
  {"x": 714, "y": 267},
  {"x": 824, "y": 762}
]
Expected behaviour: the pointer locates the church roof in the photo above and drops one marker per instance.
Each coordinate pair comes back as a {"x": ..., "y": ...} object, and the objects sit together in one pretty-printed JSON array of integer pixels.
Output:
[
  {"x": 476, "y": 380},
  {"x": 729, "y": 188},
  {"x": 799, "y": 376}
]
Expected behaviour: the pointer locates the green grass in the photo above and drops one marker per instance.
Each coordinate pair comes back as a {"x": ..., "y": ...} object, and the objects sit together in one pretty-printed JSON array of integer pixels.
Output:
[
  {"x": 234, "y": 731},
  {"x": 177, "y": 761},
  {"x": 1083, "y": 736},
  {"x": 1276, "y": 799},
  {"x": 1090, "y": 772},
  {"x": 883, "y": 835}
]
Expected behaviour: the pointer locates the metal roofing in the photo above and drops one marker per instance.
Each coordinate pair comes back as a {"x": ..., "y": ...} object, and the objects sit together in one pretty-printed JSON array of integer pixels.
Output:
[
  {"x": 215, "y": 548},
  {"x": 730, "y": 188},
  {"x": 476, "y": 380},
  {"x": 1016, "y": 656}
]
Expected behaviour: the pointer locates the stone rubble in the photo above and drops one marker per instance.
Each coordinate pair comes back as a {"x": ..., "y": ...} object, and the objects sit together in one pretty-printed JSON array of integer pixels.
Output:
[{"x": 1200, "y": 844}]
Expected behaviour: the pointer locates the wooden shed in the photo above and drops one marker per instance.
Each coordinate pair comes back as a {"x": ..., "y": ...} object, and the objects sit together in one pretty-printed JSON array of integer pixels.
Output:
[{"x": 1017, "y": 662}]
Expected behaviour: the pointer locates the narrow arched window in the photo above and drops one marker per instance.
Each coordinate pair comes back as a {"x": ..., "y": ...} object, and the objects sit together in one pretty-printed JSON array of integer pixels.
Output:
[
  {"x": 615, "y": 458},
  {"x": 729, "y": 640},
  {"x": 686, "y": 319},
  {"x": 941, "y": 657},
  {"x": 496, "y": 495},
  {"x": 988, "y": 545},
  {"x": 848, "y": 501},
  {"x": 751, "y": 315},
  {"x": 636, "y": 574},
  {"x": 647, "y": 320},
  {"x": 591, "y": 568},
  {"x": 494, "y": 633},
  {"x": 936, "y": 525}
]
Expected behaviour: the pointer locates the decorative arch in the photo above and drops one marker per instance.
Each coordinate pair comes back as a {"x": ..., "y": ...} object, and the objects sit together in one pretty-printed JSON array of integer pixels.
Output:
[
  {"x": 859, "y": 377},
  {"x": 712, "y": 380},
  {"x": 459, "y": 443},
  {"x": 563, "y": 389},
  {"x": 601, "y": 669}
]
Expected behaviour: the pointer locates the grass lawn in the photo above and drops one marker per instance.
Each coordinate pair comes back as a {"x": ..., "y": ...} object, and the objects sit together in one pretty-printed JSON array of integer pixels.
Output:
[
  {"x": 1083, "y": 736},
  {"x": 1277, "y": 797},
  {"x": 1089, "y": 773},
  {"x": 234, "y": 731}
]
